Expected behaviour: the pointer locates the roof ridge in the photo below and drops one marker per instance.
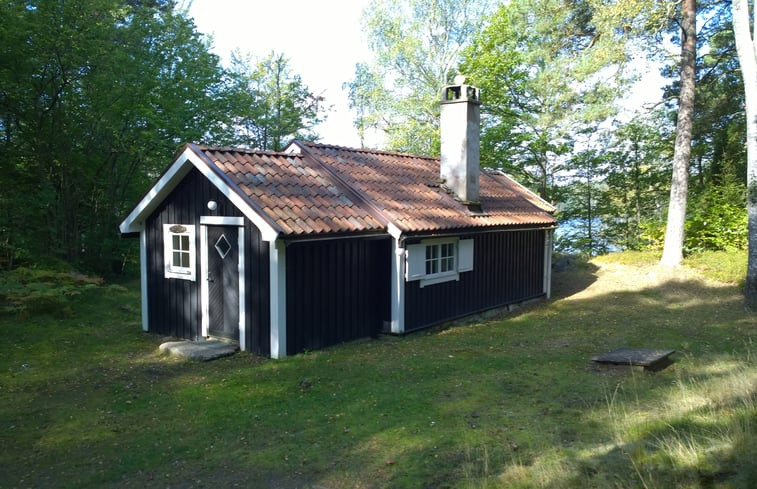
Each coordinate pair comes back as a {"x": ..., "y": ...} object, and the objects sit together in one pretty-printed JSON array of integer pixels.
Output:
[
  {"x": 369, "y": 150},
  {"x": 234, "y": 149}
]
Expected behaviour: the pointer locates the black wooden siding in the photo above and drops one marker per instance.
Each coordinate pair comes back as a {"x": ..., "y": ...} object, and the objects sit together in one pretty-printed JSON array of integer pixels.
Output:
[
  {"x": 508, "y": 267},
  {"x": 337, "y": 290},
  {"x": 174, "y": 304},
  {"x": 257, "y": 286}
]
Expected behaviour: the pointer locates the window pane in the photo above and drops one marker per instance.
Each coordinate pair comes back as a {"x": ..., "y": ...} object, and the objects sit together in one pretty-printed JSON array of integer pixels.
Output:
[
  {"x": 432, "y": 251},
  {"x": 185, "y": 260},
  {"x": 176, "y": 242},
  {"x": 447, "y": 250},
  {"x": 176, "y": 259},
  {"x": 185, "y": 243}
]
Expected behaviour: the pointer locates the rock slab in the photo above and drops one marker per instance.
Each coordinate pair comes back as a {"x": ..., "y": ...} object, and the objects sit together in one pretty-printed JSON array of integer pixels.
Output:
[
  {"x": 648, "y": 358},
  {"x": 199, "y": 350}
]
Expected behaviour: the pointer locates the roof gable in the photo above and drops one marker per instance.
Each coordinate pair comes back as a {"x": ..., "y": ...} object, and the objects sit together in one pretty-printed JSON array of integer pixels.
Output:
[{"x": 191, "y": 156}]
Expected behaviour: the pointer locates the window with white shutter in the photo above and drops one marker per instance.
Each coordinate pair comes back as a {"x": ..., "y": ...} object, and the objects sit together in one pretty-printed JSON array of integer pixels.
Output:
[{"x": 433, "y": 261}]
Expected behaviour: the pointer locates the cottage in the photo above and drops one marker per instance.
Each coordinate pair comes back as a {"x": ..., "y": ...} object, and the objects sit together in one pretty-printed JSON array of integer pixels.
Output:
[{"x": 321, "y": 244}]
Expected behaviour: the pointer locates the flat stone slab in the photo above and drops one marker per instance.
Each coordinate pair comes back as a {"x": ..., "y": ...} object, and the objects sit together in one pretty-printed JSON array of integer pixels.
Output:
[
  {"x": 199, "y": 350},
  {"x": 649, "y": 359}
]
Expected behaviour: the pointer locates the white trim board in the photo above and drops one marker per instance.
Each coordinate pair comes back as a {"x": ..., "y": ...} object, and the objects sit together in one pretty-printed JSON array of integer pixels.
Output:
[
  {"x": 143, "y": 279},
  {"x": 241, "y": 288},
  {"x": 398, "y": 288},
  {"x": 222, "y": 220},
  {"x": 134, "y": 222},
  {"x": 277, "y": 293},
  {"x": 204, "y": 292},
  {"x": 548, "y": 247},
  {"x": 241, "y": 260}
]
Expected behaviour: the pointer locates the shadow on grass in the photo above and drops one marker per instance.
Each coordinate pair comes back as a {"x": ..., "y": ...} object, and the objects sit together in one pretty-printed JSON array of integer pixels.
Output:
[
  {"x": 702, "y": 446},
  {"x": 513, "y": 400},
  {"x": 578, "y": 276}
]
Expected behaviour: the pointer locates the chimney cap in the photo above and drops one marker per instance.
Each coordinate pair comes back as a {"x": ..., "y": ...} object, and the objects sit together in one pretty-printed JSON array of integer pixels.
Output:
[{"x": 460, "y": 92}]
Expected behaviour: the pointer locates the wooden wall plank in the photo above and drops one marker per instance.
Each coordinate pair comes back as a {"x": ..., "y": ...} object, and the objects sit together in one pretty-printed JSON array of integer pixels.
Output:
[{"x": 507, "y": 269}]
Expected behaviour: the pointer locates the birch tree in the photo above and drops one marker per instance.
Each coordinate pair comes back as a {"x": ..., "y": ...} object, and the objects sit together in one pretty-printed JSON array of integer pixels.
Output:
[
  {"x": 746, "y": 47},
  {"x": 416, "y": 47}
]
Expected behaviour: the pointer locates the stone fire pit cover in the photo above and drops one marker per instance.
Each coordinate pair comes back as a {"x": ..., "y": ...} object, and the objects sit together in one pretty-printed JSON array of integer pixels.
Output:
[{"x": 649, "y": 359}]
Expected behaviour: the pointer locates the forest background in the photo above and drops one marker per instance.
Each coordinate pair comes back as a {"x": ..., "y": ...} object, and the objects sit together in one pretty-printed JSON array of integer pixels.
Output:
[{"x": 96, "y": 96}]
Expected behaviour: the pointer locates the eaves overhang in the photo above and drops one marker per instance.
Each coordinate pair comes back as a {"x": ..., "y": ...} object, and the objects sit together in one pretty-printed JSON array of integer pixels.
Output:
[{"x": 193, "y": 157}]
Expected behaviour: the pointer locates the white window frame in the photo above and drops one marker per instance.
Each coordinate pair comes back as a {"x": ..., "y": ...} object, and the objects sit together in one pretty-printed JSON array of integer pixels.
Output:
[
  {"x": 418, "y": 260},
  {"x": 172, "y": 270}
]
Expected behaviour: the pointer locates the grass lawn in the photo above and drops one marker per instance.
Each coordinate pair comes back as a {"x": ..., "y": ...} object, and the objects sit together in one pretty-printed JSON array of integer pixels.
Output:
[{"x": 508, "y": 401}]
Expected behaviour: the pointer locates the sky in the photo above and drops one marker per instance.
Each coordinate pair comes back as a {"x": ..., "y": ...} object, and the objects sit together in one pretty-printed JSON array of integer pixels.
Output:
[
  {"x": 321, "y": 38},
  {"x": 323, "y": 41}
]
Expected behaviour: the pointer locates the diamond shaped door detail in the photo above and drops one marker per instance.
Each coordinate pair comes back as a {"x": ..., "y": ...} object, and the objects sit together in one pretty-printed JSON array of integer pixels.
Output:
[{"x": 222, "y": 246}]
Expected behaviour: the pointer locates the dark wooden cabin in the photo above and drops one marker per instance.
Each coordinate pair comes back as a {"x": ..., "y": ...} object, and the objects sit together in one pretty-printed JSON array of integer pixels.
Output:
[{"x": 320, "y": 244}]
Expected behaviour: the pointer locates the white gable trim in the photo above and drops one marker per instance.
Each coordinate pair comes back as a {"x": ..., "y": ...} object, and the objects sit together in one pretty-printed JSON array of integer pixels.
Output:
[
  {"x": 135, "y": 221},
  {"x": 293, "y": 148},
  {"x": 394, "y": 231}
]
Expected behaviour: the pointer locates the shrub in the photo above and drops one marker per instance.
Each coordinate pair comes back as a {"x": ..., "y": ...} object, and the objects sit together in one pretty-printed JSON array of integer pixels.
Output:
[
  {"x": 717, "y": 219},
  {"x": 29, "y": 291}
]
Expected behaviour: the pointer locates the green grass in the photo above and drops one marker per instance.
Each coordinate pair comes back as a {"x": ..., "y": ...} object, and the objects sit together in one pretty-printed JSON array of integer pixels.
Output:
[
  {"x": 723, "y": 266},
  {"x": 513, "y": 401}
]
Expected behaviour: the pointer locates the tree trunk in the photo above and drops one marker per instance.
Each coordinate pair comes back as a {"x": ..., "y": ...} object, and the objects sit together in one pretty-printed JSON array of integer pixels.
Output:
[
  {"x": 746, "y": 47},
  {"x": 673, "y": 252}
]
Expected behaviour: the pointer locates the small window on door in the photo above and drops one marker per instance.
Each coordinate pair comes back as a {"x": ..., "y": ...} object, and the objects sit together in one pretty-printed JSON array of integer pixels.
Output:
[{"x": 179, "y": 251}]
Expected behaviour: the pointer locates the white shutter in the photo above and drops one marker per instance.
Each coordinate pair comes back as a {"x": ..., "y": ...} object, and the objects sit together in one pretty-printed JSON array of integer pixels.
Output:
[
  {"x": 415, "y": 265},
  {"x": 465, "y": 255}
]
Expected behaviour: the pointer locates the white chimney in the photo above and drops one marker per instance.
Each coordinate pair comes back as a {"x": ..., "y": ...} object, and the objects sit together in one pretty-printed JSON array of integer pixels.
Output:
[{"x": 460, "y": 128}]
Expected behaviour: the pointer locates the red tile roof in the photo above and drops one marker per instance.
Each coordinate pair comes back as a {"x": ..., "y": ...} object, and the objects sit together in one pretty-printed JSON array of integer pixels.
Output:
[
  {"x": 406, "y": 189},
  {"x": 331, "y": 189},
  {"x": 300, "y": 197}
]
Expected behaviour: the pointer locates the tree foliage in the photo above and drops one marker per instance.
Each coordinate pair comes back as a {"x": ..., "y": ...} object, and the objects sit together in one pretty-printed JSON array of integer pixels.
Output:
[
  {"x": 95, "y": 98},
  {"x": 547, "y": 73},
  {"x": 271, "y": 105},
  {"x": 632, "y": 184},
  {"x": 417, "y": 46},
  {"x": 628, "y": 167}
]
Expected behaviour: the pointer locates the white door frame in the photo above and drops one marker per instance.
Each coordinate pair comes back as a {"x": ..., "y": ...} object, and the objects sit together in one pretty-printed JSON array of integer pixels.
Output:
[{"x": 206, "y": 221}]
